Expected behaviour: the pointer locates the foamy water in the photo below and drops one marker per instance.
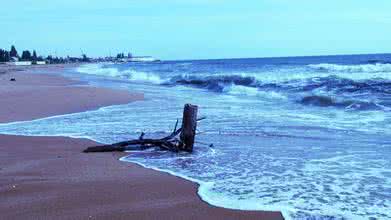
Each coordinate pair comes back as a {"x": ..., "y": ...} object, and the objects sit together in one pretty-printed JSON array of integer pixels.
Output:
[{"x": 294, "y": 135}]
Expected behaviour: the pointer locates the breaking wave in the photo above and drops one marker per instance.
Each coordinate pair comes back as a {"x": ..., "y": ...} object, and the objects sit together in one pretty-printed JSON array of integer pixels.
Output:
[
  {"x": 326, "y": 101},
  {"x": 251, "y": 91},
  {"x": 358, "y": 87},
  {"x": 364, "y": 68},
  {"x": 220, "y": 83},
  {"x": 102, "y": 70}
]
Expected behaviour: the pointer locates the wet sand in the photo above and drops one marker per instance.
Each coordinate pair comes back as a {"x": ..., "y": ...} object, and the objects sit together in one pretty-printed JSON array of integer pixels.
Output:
[
  {"x": 49, "y": 177},
  {"x": 33, "y": 96}
]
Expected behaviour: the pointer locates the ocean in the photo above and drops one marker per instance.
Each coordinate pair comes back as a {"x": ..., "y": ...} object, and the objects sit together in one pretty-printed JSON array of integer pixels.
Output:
[{"x": 308, "y": 136}]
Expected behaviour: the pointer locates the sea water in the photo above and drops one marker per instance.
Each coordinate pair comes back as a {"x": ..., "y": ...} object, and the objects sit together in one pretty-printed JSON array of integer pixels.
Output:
[{"x": 308, "y": 136}]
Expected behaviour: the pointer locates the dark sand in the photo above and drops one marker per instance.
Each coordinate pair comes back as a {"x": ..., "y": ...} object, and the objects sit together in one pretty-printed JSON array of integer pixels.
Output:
[{"x": 49, "y": 177}]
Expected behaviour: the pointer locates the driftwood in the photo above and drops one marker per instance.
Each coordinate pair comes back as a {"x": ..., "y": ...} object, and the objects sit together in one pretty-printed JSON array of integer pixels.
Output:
[
  {"x": 185, "y": 142},
  {"x": 189, "y": 127}
]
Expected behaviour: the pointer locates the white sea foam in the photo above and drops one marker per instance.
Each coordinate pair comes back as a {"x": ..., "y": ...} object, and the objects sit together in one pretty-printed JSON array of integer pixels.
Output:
[
  {"x": 316, "y": 71},
  {"x": 292, "y": 76},
  {"x": 363, "y": 68},
  {"x": 299, "y": 76},
  {"x": 267, "y": 178},
  {"x": 252, "y": 91},
  {"x": 280, "y": 196},
  {"x": 132, "y": 75},
  {"x": 97, "y": 69}
]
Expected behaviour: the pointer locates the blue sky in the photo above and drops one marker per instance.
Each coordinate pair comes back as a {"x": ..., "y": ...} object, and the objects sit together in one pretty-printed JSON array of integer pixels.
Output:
[{"x": 195, "y": 29}]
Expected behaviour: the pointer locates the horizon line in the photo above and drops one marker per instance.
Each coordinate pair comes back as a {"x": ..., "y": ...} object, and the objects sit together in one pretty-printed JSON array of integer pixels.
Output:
[{"x": 277, "y": 57}]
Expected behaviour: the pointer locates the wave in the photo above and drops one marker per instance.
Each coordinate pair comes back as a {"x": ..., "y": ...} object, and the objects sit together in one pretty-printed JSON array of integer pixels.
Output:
[
  {"x": 353, "y": 89},
  {"x": 215, "y": 83},
  {"x": 251, "y": 91},
  {"x": 128, "y": 74},
  {"x": 219, "y": 83},
  {"x": 352, "y": 95},
  {"x": 327, "y": 101},
  {"x": 98, "y": 69},
  {"x": 375, "y": 74},
  {"x": 363, "y": 68}
]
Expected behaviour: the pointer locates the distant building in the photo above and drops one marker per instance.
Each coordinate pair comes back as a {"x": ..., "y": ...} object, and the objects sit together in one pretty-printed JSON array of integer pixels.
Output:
[
  {"x": 135, "y": 59},
  {"x": 143, "y": 59},
  {"x": 21, "y": 63},
  {"x": 14, "y": 59}
]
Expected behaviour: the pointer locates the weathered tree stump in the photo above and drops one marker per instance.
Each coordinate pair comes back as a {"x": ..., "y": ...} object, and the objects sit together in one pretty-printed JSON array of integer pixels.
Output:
[
  {"x": 189, "y": 127},
  {"x": 185, "y": 142}
]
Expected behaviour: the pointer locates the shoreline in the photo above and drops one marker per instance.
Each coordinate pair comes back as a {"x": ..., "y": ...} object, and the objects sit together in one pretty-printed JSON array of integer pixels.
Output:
[
  {"x": 49, "y": 94},
  {"x": 139, "y": 193}
]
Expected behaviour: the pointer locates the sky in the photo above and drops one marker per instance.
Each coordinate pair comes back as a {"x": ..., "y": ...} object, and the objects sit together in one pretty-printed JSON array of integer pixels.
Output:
[{"x": 197, "y": 29}]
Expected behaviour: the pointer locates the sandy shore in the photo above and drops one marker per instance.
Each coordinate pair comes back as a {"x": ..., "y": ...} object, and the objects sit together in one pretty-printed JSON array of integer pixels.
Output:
[
  {"x": 33, "y": 96},
  {"x": 49, "y": 177}
]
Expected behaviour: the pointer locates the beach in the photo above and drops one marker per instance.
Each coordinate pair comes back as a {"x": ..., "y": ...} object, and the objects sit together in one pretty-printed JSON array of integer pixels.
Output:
[{"x": 49, "y": 177}]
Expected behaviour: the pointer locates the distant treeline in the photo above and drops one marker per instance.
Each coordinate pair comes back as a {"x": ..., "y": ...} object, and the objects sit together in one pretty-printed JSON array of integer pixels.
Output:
[{"x": 13, "y": 55}]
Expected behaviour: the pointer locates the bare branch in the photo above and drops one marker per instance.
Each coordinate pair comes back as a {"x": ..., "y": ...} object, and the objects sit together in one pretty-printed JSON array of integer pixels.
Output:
[{"x": 170, "y": 142}]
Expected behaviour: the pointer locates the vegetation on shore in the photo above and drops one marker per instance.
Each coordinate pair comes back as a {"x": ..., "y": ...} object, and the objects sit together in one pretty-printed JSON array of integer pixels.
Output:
[{"x": 13, "y": 56}]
